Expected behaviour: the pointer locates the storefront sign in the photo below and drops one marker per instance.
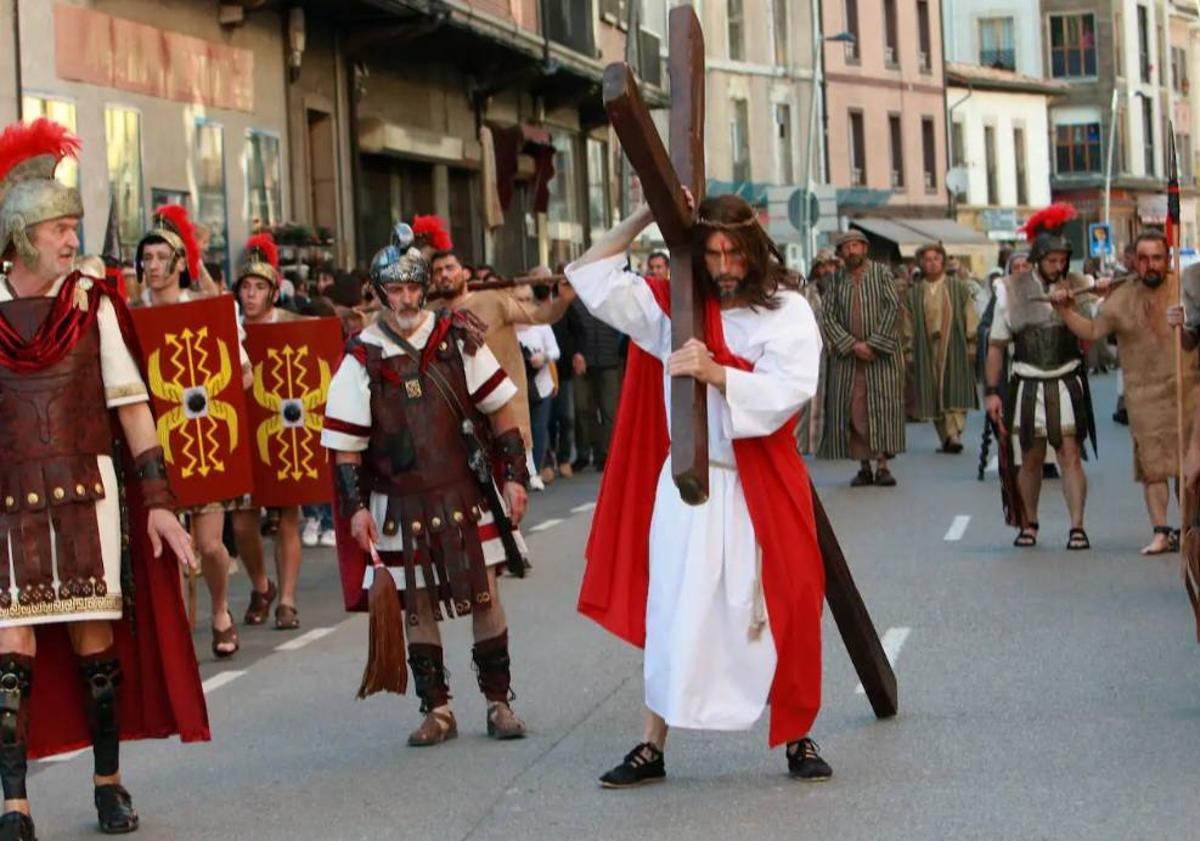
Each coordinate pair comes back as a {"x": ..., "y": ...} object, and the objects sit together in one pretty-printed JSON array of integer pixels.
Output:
[{"x": 99, "y": 49}]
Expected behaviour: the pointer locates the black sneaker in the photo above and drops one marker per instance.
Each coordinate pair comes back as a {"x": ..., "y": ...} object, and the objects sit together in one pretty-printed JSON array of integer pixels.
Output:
[
  {"x": 644, "y": 764},
  {"x": 17, "y": 826},
  {"x": 805, "y": 762}
]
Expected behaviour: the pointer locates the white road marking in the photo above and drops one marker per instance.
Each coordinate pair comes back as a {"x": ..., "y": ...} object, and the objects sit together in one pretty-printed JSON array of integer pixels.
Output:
[
  {"x": 958, "y": 528},
  {"x": 893, "y": 641},
  {"x": 579, "y": 509},
  {"x": 304, "y": 639},
  {"x": 66, "y": 757},
  {"x": 548, "y": 524},
  {"x": 993, "y": 465},
  {"x": 220, "y": 679}
]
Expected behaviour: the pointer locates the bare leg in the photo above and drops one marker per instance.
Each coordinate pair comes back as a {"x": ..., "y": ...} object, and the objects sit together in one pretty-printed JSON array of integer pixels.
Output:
[
  {"x": 250, "y": 547},
  {"x": 23, "y": 642},
  {"x": 1029, "y": 478},
  {"x": 1074, "y": 480},
  {"x": 427, "y": 629},
  {"x": 214, "y": 563},
  {"x": 1158, "y": 496},
  {"x": 654, "y": 729},
  {"x": 287, "y": 555},
  {"x": 490, "y": 623}
]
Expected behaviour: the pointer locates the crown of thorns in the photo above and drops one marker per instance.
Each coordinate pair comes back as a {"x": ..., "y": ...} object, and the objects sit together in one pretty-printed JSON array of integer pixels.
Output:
[{"x": 726, "y": 226}]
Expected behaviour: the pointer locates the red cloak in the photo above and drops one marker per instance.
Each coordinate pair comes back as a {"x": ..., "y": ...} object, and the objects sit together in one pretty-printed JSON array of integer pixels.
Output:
[
  {"x": 776, "y": 486},
  {"x": 160, "y": 692}
]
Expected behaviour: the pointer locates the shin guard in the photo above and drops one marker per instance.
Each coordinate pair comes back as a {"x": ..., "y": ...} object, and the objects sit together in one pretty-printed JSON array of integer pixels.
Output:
[
  {"x": 16, "y": 678},
  {"x": 492, "y": 668},
  {"x": 429, "y": 675},
  {"x": 101, "y": 674}
]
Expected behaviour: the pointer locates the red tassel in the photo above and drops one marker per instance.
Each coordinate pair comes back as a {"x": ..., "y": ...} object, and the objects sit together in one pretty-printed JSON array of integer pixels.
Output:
[{"x": 387, "y": 666}]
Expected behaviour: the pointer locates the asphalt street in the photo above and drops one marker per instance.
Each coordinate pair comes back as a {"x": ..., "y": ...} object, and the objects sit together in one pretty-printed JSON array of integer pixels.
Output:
[{"x": 1044, "y": 694}]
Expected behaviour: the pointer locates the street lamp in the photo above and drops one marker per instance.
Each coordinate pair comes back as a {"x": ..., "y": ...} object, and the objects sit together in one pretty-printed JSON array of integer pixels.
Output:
[{"x": 817, "y": 76}]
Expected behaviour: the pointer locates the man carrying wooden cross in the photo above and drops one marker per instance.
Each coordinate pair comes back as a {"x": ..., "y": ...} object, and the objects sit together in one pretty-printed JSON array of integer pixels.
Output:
[{"x": 725, "y": 595}]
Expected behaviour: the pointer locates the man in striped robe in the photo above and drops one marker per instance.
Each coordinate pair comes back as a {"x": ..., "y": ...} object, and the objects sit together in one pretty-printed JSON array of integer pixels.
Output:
[
  {"x": 941, "y": 324},
  {"x": 864, "y": 397}
]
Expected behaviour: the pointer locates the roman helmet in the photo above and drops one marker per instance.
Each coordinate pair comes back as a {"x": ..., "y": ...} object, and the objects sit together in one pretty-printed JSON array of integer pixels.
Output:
[
  {"x": 29, "y": 155},
  {"x": 260, "y": 258},
  {"x": 1044, "y": 230},
  {"x": 172, "y": 225},
  {"x": 400, "y": 261}
]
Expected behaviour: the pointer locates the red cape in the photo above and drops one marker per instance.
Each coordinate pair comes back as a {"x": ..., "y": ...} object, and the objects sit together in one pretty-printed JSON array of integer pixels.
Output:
[
  {"x": 778, "y": 496},
  {"x": 160, "y": 690}
]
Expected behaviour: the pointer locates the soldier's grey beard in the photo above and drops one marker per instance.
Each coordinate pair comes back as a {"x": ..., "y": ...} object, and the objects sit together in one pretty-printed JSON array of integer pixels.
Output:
[{"x": 410, "y": 322}]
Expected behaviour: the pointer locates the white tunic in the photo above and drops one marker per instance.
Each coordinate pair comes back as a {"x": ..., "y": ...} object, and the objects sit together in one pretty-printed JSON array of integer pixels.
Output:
[
  {"x": 704, "y": 668},
  {"x": 123, "y": 385}
]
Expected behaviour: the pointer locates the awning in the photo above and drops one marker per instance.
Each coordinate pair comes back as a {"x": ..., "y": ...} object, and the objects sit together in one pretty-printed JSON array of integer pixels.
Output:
[{"x": 911, "y": 234}]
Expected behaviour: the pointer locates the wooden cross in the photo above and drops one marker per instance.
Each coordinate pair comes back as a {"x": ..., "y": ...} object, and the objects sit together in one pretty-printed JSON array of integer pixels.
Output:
[{"x": 663, "y": 178}]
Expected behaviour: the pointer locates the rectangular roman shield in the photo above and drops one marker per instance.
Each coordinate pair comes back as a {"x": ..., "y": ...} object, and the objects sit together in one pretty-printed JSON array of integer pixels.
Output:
[
  {"x": 193, "y": 368},
  {"x": 293, "y": 362}
]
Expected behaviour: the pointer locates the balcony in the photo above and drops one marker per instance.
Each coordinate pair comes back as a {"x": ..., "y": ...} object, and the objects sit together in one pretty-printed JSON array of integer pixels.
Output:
[{"x": 1004, "y": 58}]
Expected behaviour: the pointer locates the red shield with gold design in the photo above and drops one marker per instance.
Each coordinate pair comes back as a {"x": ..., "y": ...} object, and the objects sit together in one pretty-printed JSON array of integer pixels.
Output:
[
  {"x": 293, "y": 363},
  {"x": 193, "y": 367}
]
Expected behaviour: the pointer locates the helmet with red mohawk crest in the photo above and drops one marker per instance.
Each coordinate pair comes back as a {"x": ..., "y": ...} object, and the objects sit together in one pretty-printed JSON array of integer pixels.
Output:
[
  {"x": 172, "y": 225},
  {"x": 260, "y": 258},
  {"x": 29, "y": 155},
  {"x": 430, "y": 235},
  {"x": 1044, "y": 230}
]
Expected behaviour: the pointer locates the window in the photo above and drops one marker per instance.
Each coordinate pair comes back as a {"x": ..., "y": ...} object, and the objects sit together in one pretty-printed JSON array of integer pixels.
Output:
[
  {"x": 779, "y": 18},
  {"x": 852, "y": 53},
  {"x": 1179, "y": 70},
  {"x": 957, "y": 146},
  {"x": 1019, "y": 155},
  {"x": 1143, "y": 25},
  {"x": 783, "y": 142},
  {"x": 1183, "y": 146},
  {"x": 1073, "y": 46},
  {"x": 996, "y": 44},
  {"x": 1148, "y": 135},
  {"x": 597, "y": 179},
  {"x": 929, "y": 147},
  {"x": 896, "y": 147},
  {"x": 563, "y": 212},
  {"x": 989, "y": 155},
  {"x": 736, "y": 30},
  {"x": 924, "y": 57},
  {"x": 739, "y": 139},
  {"x": 1077, "y": 148},
  {"x": 264, "y": 189},
  {"x": 1118, "y": 45},
  {"x": 858, "y": 151},
  {"x": 63, "y": 113},
  {"x": 123, "y": 142},
  {"x": 208, "y": 175},
  {"x": 891, "y": 40}
]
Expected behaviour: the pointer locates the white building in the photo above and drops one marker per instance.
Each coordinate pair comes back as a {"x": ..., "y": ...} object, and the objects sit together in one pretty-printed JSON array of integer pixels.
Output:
[
  {"x": 1000, "y": 150},
  {"x": 1006, "y": 34}
]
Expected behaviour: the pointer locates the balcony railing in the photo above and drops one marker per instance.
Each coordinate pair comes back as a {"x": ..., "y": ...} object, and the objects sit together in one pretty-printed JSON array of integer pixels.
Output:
[{"x": 1003, "y": 58}]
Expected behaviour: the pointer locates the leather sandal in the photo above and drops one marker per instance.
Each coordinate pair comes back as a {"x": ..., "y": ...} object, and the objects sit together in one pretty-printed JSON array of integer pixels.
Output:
[
  {"x": 225, "y": 637},
  {"x": 287, "y": 618},
  {"x": 260, "y": 605},
  {"x": 1027, "y": 537},
  {"x": 1077, "y": 540},
  {"x": 502, "y": 722},
  {"x": 114, "y": 809},
  {"x": 437, "y": 727}
]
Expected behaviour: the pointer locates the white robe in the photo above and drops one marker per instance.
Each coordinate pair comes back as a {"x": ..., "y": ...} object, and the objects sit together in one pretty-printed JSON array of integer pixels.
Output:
[{"x": 703, "y": 667}]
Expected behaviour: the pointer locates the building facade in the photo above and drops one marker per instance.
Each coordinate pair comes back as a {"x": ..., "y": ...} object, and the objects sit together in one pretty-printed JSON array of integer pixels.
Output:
[{"x": 1003, "y": 34}]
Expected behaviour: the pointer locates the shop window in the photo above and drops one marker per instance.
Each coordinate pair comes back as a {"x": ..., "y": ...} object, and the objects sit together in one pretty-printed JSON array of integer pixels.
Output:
[
  {"x": 598, "y": 194},
  {"x": 208, "y": 178},
  {"x": 123, "y": 141},
  {"x": 264, "y": 188}
]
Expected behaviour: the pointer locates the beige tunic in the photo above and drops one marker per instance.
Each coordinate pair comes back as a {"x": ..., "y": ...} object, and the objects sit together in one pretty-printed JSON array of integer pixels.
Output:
[{"x": 1138, "y": 316}]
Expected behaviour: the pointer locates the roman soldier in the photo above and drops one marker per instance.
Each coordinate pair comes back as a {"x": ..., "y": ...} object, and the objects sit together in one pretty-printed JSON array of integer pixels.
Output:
[
  {"x": 167, "y": 258},
  {"x": 72, "y": 494},
  {"x": 1048, "y": 402},
  {"x": 417, "y": 409}
]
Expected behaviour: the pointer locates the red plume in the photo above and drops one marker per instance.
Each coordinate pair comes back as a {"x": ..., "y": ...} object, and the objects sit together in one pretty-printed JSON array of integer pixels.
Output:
[
  {"x": 433, "y": 231},
  {"x": 177, "y": 217},
  {"x": 22, "y": 141},
  {"x": 1050, "y": 218},
  {"x": 264, "y": 244}
]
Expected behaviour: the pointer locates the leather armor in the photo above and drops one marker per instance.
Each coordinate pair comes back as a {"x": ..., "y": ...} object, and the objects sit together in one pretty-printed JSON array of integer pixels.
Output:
[
  {"x": 53, "y": 424},
  {"x": 1046, "y": 346},
  {"x": 416, "y": 457}
]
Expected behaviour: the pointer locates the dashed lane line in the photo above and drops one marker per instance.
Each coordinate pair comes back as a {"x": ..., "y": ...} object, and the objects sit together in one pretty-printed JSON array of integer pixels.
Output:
[
  {"x": 958, "y": 528},
  {"x": 220, "y": 679},
  {"x": 304, "y": 639},
  {"x": 893, "y": 641},
  {"x": 546, "y": 524},
  {"x": 580, "y": 509}
]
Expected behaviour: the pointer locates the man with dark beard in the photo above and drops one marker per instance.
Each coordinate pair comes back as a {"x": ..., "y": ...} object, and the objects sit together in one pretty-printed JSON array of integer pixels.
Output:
[
  {"x": 864, "y": 394},
  {"x": 1141, "y": 315},
  {"x": 1048, "y": 400},
  {"x": 724, "y": 596},
  {"x": 415, "y": 394}
]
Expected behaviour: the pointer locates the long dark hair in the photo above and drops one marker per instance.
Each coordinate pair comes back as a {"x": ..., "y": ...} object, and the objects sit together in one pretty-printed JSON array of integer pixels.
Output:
[{"x": 766, "y": 274}]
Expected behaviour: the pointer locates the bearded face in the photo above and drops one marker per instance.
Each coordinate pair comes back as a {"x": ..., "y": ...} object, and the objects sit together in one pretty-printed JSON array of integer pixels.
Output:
[
  {"x": 853, "y": 254},
  {"x": 449, "y": 279},
  {"x": 725, "y": 261},
  {"x": 1053, "y": 266},
  {"x": 406, "y": 301}
]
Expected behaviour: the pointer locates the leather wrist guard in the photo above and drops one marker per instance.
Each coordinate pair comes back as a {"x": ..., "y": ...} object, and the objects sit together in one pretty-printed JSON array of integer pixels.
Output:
[
  {"x": 348, "y": 481},
  {"x": 508, "y": 452},
  {"x": 992, "y": 391},
  {"x": 152, "y": 474}
]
